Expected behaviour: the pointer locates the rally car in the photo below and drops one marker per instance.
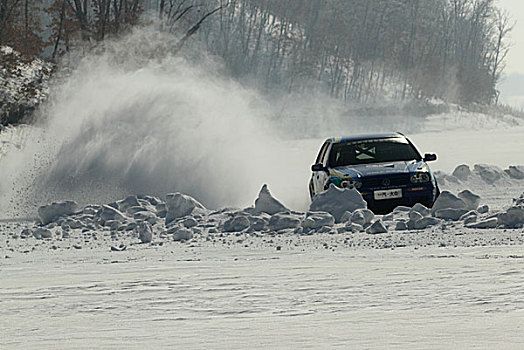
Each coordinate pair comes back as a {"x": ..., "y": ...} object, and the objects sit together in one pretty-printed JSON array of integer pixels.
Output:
[{"x": 386, "y": 169}]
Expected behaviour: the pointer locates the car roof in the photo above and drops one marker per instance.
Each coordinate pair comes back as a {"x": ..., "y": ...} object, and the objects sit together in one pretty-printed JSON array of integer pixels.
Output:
[{"x": 363, "y": 137}]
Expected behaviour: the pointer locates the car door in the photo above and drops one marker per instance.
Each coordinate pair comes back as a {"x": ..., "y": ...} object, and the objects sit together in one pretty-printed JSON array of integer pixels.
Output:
[{"x": 319, "y": 178}]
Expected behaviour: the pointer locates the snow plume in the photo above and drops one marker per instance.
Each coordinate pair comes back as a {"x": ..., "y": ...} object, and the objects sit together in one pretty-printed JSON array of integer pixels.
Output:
[{"x": 127, "y": 120}]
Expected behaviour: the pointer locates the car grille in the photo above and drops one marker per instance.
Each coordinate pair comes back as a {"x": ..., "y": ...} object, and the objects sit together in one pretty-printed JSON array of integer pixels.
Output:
[{"x": 399, "y": 181}]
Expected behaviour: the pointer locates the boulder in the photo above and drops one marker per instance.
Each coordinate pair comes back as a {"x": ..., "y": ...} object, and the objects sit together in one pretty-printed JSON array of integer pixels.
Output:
[
  {"x": 401, "y": 226},
  {"x": 145, "y": 232},
  {"x": 516, "y": 172},
  {"x": 316, "y": 220},
  {"x": 483, "y": 209},
  {"x": 462, "y": 172},
  {"x": 236, "y": 224},
  {"x": 51, "y": 212},
  {"x": 337, "y": 201},
  {"x": 488, "y": 223},
  {"x": 513, "y": 217},
  {"x": 179, "y": 205},
  {"x": 448, "y": 200},
  {"x": 282, "y": 221},
  {"x": 472, "y": 200},
  {"x": 108, "y": 213},
  {"x": 362, "y": 217},
  {"x": 180, "y": 233},
  {"x": 425, "y": 223},
  {"x": 266, "y": 203},
  {"x": 489, "y": 173},
  {"x": 41, "y": 233},
  {"x": 423, "y": 210},
  {"x": 450, "y": 214},
  {"x": 376, "y": 228}
]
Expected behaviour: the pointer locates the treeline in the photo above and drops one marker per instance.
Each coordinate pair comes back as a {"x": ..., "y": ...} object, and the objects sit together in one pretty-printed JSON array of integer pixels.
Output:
[
  {"x": 364, "y": 50},
  {"x": 356, "y": 50}
]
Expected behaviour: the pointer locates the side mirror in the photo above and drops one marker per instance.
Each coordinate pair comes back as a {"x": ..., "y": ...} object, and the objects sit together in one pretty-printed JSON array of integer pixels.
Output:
[
  {"x": 429, "y": 157},
  {"x": 318, "y": 167}
]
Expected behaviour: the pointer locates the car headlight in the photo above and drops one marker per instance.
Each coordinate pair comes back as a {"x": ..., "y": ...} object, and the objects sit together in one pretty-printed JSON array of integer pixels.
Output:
[
  {"x": 420, "y": 177},
  {"x": 351, "y": 184}
]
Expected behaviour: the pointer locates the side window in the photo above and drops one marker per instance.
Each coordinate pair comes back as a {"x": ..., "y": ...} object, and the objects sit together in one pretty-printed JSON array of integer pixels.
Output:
[
  {"x": 326, "y": 155},
  {"x": 322, "y": 153}
]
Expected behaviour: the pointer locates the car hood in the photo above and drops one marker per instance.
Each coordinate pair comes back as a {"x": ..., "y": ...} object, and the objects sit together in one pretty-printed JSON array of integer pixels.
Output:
[{"x": 377, "y": 169}]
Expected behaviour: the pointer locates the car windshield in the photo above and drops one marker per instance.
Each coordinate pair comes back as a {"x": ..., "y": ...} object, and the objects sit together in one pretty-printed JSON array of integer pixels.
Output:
[{"x": 372, "y": 151}]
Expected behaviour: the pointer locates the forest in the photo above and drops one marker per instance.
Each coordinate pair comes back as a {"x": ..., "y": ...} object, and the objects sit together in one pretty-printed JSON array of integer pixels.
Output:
[{"x": 357, "y": 51}]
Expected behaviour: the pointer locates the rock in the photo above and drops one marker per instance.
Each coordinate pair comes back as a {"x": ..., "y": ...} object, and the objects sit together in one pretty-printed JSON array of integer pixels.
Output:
[
  {"x": 462, "y": 172},
  {"x": 41, "y": 232},
  {"x": 376, "y": 228},
  {"x": 352, "y": 227},
  {"x": 415, "y": 216},
  {"x": 146, "y": 216},
  {"x": 181, "y": 234},
  {"x": 282, "y": 221},
  {"x": 516, "y": 172},
  {"x": 108, "y": 213},
  {"x": 131, "y": 201},
  {"x": 337, "y": 201},
  {"x": 189, "y": 222},
  {"x": 425, "y": 223},
  {"x": 145, "y": 232},
  {"x": 448, "y": 200},
  {"x": 401, "y": 209},
  {"x": 513, "y": 217},
  {"x": 483, "y": 209},
  {"x": 266, "y": 203},
  {"x": 49, "y": 213},
  {"x": 470, "y": 220},
  {"x": 489, "y": 223},
  {"x": 362, "y": 217},
  {"x": 489, "y": 173},
  {"x": 316, "y": 220},
  {"x": 346, "y": 217},
  {"x": 258, "y": 223},
  {"x": 72, "y": 224},
  {"x": 472, "y": 200},
  {"x": 388, "y": 217},
  {"x": 179, "y": 205},
  {"x": 450, "y": 214},
  {"x": 236, "y": 224},
  {"x": 421, "y": 209},
  {"x": 519, "y": 201},
  {"x": 401, "y": 226}
]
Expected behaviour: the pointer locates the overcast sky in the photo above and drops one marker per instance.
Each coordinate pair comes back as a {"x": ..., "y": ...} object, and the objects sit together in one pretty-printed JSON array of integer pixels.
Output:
[{"x": 515, "y": 62}]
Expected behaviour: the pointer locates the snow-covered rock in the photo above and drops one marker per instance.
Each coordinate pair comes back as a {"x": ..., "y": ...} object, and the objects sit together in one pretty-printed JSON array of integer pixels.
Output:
[
  {"x": 266, "y": 203},
  {"x": 401, "y": 225},
  {"x": 376, "y": 228},
  {"x": 41, "y": 232},
  {"x": 145, "y": 232},
  {"x": 489, "y": 173},
  {"x": 258, "y": 223},
  {"x": 420, "y": 208},
  {"x": 180, "y": 233},
  {"x": 448, "y": 200},
  {"x": 516, "y": 172},
  {"x": 488, "y": 223},
  {"x": 513, "y": 217},
  {"x": 316, "y": 220},
  {"x": 462, "y": 172},
  {"x": 236, "y": 224},
  {"x": 179, "y": 205},
  {"x": 109, "y": 213},
  {"x": 362, "y": 217},
  {"x": 337, "y": 201},
  {"x": 282, "y": 221},
  {"x": 425, "y": 223},
  {"x": 450, "y": 214},
  {"x": 51, "y": 212},
  {"x": 472, "y": 200}
]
